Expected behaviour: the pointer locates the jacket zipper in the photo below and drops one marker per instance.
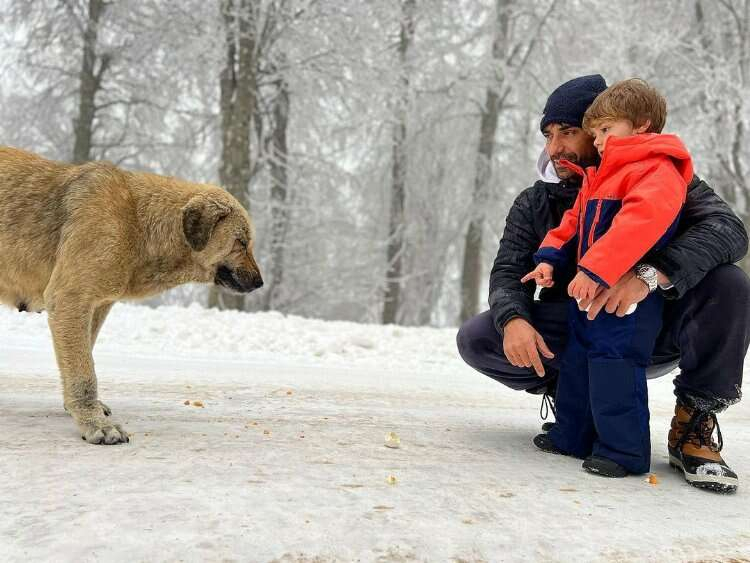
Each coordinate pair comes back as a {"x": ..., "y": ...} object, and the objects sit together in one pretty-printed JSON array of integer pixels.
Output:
[
  {"x": 582, "y": 213},
  {"x": 594, "y": 222}
]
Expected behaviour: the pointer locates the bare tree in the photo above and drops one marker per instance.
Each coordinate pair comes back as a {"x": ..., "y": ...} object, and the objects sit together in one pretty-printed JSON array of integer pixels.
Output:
[
  {"x": 93, "y": 67},
  {"x": 399, "y": 166},
  {"x": 472, "y": 266},
  {"x": 102, "y": 80},
  {"x": 273, "y": 104},
  {"x": 507, "y": 56},
  {"x": 278, "y": 162}
]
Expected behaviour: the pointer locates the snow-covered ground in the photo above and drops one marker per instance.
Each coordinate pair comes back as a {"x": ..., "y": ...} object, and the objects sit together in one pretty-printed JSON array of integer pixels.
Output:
[{"x": 286, "y": 459}]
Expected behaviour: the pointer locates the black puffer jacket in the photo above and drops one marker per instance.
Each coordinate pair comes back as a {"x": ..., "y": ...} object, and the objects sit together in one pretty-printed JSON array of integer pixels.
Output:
[{"x": 708, "y": 234}]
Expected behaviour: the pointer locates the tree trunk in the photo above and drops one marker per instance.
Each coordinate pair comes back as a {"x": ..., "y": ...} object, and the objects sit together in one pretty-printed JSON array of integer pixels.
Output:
[
  {"x": 91, "y": 80},
  {"x": 279, "y": 190},
  {"x": 472, "y": 266},
  {"x": 237, "y": 101},
  {"x": 398, "y": 172}
]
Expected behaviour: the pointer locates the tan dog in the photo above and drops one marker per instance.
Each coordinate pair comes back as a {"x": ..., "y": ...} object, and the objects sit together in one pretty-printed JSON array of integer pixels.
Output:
[{"x": 75, "y": 239}]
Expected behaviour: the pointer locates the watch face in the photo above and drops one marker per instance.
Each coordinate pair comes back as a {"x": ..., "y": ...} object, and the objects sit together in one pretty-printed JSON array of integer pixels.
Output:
[{"x": 647, "y": 274}]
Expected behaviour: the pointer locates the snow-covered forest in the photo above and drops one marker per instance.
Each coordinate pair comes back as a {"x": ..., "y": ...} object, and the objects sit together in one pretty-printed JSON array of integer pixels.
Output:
[{"x": 377, "y": 144}]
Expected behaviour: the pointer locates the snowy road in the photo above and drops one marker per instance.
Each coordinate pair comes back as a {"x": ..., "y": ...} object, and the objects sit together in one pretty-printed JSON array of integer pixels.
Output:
[{"x": 287, "y": 462}]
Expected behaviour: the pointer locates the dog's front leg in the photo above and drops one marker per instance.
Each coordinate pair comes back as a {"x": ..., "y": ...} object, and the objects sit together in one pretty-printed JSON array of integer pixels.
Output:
[
  {"x": 97, "y": 320},
  {"x": 100, "y": 314},
  {"x": 70, "y": 320}
]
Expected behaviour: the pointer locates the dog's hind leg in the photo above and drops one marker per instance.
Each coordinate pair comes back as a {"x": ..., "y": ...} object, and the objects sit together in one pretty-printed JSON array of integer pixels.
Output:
[{"x": 70, "y": 319}]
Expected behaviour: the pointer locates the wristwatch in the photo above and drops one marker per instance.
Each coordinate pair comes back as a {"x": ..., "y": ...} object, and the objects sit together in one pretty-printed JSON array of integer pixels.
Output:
[{"x": 647, "y": 274}]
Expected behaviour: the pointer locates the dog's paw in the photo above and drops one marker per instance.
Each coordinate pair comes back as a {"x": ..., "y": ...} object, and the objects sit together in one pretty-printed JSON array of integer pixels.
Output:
[
  {"x": 95, "y": 427},
  {"x": 101, "y": 432}
]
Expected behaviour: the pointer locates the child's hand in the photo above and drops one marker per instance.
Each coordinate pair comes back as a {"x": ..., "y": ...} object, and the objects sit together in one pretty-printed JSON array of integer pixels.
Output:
[
  {"x": 583, "y": 287},
  {"x": 542, "y": 275}
]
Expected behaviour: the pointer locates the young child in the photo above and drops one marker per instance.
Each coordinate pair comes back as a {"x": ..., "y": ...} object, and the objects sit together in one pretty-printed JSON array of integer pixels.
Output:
[{"x": 625, "y": 207}]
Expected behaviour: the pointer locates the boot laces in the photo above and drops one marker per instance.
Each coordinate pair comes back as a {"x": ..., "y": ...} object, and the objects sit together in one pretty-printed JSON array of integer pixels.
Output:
[
  {"x": 548, "y": 404},
  {"x": 699, "y": 431}
]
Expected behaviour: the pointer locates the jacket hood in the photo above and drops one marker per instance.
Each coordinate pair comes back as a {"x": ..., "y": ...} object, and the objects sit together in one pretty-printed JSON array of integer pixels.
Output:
[
  {"x": 624, "y": 150},
  {"x": 545, "y": 169},
  {"x": 556, "y": 188}
]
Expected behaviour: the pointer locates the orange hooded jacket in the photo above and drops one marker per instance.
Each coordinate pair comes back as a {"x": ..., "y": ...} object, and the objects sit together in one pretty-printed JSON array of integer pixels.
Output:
[{"x": 625, "y": 207}]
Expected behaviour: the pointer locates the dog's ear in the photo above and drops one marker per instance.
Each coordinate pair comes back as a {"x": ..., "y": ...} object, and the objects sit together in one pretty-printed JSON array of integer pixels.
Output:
[{"x": 199, "y": 218}]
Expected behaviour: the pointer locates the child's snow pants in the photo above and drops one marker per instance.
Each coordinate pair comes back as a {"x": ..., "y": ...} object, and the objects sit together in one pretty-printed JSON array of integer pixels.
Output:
[{"x": 602, "y": 399}]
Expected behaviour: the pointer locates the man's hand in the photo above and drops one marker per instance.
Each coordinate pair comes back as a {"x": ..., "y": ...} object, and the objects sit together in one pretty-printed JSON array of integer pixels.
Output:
[
  {"x": 583, "y": 287},
  {"x": 542, "y": 275},
  {"x": 522, "y": 344},
  {"x": 617, "y": 299}
]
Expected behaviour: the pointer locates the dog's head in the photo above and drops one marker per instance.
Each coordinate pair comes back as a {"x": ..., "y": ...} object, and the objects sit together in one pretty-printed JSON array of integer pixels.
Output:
[{"x": 220, "y": 233}]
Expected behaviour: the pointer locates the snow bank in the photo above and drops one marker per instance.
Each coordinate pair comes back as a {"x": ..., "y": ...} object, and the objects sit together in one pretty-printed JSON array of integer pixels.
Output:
[{"x": 195, "y": 332}]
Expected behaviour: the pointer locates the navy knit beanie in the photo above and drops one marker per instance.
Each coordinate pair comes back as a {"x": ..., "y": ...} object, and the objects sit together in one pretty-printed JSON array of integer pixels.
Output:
[{"x": 569, "y": 101}]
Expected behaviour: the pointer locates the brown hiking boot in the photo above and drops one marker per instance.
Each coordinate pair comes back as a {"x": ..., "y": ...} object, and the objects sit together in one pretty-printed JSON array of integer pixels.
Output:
[{"x": 693, "y": 450}]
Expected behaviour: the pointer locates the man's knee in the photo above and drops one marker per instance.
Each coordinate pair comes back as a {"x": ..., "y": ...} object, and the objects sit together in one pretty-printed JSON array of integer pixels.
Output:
[
  {"x": 729, "y": 275},
  {"x": 473, "y": 336},
  {"x": 730, "y": 286}
]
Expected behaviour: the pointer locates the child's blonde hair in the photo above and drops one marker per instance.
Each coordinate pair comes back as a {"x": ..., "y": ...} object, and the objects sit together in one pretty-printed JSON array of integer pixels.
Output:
[{"x": 631, "y": 99}]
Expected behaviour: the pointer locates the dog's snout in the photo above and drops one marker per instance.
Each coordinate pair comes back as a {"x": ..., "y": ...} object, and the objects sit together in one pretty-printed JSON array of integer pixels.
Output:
[{"x": 239, "y": 281}]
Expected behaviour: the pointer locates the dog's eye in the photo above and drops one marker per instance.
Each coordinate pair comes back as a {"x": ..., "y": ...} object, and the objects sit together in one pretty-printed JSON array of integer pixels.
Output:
[{"x": 242, "y": 243}]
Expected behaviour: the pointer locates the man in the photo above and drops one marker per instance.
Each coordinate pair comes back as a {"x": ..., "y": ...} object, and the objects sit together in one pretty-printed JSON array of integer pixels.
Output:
[{"x": 706, "y": 325}]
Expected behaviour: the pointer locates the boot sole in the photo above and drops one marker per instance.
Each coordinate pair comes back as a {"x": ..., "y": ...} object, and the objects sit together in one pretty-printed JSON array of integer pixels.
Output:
[
  {"x": 604, "y": 468},
  {"x": 716, "y": 483},
  {"x": 603, "y": 473},
  {"x": 548, "y": 448}
]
